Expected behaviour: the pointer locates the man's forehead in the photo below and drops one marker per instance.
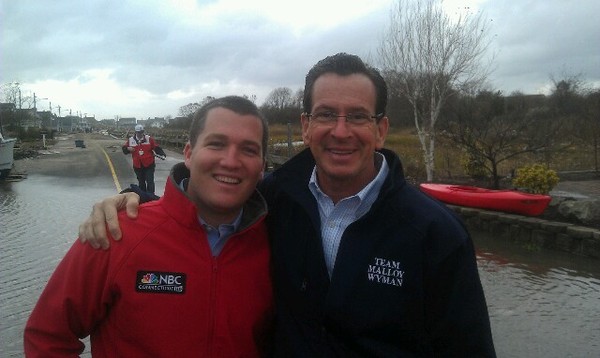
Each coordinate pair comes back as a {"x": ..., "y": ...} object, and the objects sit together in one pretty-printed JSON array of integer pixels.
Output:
[
  {"x": 220, "y": 124},
  {"x": 218, "y": 114},
  {"x": 351, "y": 92}
]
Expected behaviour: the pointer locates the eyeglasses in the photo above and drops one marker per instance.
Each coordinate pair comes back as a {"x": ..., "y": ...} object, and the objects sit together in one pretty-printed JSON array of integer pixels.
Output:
[{"x": 356, "y": 119}]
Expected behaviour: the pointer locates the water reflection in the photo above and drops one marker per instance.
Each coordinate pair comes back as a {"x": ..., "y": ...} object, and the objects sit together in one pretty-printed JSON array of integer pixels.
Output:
[
  {"x": 541, "y": 303},
  {"x": 39, "y": 221}
]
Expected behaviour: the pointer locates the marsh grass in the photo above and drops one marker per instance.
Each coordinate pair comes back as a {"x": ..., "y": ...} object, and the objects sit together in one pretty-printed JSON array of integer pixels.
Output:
[{"x": 448, "y": 157}]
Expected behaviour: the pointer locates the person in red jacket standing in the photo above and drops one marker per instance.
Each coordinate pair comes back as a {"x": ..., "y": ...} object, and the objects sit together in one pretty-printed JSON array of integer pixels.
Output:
[
  {"x": 192, "y": 278},
  {"x": 141, "y": 147}
]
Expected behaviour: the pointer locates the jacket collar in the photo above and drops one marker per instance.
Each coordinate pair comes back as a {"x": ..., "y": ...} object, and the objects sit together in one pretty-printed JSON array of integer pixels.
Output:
[{"x": 254, "y": 209}]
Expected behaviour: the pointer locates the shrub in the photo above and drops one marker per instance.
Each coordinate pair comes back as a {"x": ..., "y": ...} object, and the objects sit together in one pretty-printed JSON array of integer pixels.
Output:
[
  {"x": 536, "y": 179},
  {"x": 474, "y": 166}
]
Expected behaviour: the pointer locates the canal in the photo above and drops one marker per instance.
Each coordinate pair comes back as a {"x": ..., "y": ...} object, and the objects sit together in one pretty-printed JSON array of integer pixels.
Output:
[{"x": 542, "y": 303}]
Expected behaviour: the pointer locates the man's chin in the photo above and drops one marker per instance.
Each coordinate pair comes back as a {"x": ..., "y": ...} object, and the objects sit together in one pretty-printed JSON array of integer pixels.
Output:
[
  {"x": 225, "y": 205},
  {"x": 340, "y": 172}
]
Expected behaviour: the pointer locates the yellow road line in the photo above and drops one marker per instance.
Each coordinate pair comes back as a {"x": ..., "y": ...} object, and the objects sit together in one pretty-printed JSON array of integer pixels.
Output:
[{"x": 112, "y": 170}]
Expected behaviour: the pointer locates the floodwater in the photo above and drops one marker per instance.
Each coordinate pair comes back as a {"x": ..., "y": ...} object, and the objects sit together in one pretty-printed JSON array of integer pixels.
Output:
[{"x": 541, "y": 303}]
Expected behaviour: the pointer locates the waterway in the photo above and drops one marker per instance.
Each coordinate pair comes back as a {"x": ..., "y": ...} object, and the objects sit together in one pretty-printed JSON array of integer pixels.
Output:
[{"x": 541, "y": 303}]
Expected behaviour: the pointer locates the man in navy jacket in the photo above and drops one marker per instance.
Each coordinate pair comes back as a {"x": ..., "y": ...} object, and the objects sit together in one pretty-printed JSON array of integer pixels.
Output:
[{"x": 363, "y": 263}]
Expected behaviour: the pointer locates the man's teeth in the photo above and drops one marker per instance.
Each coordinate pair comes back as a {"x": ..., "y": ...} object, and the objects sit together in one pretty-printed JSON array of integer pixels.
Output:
[
  {"x": 341, "y": 151},
  {"x": 228, "y": 180}
]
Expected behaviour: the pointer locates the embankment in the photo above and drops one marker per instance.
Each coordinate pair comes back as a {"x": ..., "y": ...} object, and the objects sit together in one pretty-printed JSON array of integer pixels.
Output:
[{"x": 535, "y": 233}]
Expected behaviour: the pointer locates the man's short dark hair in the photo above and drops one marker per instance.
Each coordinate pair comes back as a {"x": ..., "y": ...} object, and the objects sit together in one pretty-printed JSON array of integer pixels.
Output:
[
  {"x": 237, "y": 104},
  {"x": 344, "y": 64}
]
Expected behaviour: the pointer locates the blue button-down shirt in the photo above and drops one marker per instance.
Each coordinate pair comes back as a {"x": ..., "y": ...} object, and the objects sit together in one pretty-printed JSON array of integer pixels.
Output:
[
  {"x": 335, "y": 218},
  {"x": 217, "y": 236}
]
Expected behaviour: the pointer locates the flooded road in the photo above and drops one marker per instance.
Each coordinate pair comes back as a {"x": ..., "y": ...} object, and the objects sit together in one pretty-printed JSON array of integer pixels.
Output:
[
  {"x": 541, "y": 303},
  {"x": 40, "y": 216}
]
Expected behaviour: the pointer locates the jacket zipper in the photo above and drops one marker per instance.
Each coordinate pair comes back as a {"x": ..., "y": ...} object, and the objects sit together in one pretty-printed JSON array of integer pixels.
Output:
[{"x": 212, "y": 309}]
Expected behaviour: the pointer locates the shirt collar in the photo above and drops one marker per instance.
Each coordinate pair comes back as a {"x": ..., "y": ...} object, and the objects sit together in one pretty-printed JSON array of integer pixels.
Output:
[
  {"x": 233, "y": 227},
  {"x": 226, "y": 229}
]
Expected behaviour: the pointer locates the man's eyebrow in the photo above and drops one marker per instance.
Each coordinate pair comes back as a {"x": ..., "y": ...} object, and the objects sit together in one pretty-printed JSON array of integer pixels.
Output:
[
  {"x": 213, "y": 136},
  {"x": 331, "y": 109},
  {"x": 252, "y": 143}
]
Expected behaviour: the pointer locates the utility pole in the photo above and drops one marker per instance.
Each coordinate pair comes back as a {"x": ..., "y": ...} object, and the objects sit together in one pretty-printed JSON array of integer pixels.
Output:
[{"x": 58, "y": 120}]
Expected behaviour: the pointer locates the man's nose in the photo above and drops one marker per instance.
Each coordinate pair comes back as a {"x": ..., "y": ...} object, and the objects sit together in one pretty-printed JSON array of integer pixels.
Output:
[
  {"x": 341, "y": 127},
  {"x": 231, "y": 157}
]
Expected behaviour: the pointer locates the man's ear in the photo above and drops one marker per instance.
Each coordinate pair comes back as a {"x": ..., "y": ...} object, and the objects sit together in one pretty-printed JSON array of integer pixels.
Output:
[
  {"x": 304, "y": 121},
  {"x": 187, "y": 154},
  {"x": 382, "y": 130}
]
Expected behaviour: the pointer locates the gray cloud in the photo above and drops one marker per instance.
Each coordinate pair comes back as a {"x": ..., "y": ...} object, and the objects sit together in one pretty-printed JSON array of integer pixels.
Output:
[
  {"x": 157, "y": 50},
  {"x": 537, "y": 39}
]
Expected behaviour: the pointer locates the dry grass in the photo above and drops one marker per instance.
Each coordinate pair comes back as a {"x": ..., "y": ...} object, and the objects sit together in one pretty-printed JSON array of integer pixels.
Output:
[{"x": 405, "y": 142}]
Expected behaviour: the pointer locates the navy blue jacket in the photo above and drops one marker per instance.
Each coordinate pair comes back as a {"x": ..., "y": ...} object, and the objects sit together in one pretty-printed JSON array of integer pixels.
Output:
[{"x": 405, "y": 282}]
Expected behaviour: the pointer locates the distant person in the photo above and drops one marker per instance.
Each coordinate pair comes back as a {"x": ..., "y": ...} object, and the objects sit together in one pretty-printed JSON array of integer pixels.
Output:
[
  {"x": 364, "y": 264},
  {"x": 143, "y": 148},
  {"x": 191, "y": 276}
]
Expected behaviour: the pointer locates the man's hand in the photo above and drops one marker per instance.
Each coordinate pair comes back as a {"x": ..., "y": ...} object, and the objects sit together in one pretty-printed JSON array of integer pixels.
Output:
[{"x": 93, "y": 229}]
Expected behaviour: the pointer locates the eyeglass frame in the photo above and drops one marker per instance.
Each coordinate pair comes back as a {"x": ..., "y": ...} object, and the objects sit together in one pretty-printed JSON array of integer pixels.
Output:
[{"x": 332, "y": 117}]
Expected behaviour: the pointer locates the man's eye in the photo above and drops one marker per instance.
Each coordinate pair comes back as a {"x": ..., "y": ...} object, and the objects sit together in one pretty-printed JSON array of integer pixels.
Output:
[
  {"x": 326, "y": 115},
  {"x": 359, "y": 117},
  {"x": 215, "y": 144},
  {"x": 251, "y": 151}
]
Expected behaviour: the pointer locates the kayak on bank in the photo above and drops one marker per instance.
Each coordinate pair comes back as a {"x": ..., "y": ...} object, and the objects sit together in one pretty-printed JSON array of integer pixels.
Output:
[{"x": 511, "y": 201}]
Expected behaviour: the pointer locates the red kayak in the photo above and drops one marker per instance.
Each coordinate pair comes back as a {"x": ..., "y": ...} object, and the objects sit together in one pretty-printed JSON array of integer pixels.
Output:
[{"x": 511, "y": 201}]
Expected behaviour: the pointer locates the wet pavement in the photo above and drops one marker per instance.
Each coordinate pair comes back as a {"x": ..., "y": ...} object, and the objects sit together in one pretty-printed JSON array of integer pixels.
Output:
[
  {"x": 579, "y": 188},
  {"x": 102, "y": 157}
]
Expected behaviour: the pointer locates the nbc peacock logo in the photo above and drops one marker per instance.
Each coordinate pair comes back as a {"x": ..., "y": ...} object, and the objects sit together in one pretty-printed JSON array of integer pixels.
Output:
[
  {"x": 160, "y": 282},
  {"x": 149, "y": 279}
]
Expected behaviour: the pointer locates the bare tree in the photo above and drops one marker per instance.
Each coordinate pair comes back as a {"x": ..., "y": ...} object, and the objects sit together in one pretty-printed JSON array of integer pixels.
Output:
[
  {"x": 12, "y": 118},
  {"x": 189, "y": 109},
  {"x": 431, "y": 56},
  {"x": 493, "y": 129},
  {"x": 592, "y": 123},
  {"x": 578, "y": 104},
  {"x": 11, "y": 93},
  {"x": 279, "y": 98},
  {"x": 282, "y": 106},
  {"x": 298, "y": 96}
]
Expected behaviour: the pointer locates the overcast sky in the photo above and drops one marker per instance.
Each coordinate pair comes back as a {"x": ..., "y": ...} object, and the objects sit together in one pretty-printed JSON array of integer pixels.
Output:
[{"x": 147, "y": 58}]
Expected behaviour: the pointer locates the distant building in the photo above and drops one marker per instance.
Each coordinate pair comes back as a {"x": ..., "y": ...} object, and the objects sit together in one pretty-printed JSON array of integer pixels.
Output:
[
  {"x": 86, "y": 124},
  {"x": 126, "y": 123},
  {"x": 108, "y": 122},
  {"x": 156, "y": 122}
]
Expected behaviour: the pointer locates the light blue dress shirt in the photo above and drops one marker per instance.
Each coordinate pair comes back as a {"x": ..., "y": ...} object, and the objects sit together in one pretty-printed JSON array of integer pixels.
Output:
[
  {"x": 217, "y": 236},
  {"x": 336, "y": 218}
]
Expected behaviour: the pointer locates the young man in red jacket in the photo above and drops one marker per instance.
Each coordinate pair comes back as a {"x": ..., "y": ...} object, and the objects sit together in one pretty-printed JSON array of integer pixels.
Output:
[{"x": 191, "y": 279}]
